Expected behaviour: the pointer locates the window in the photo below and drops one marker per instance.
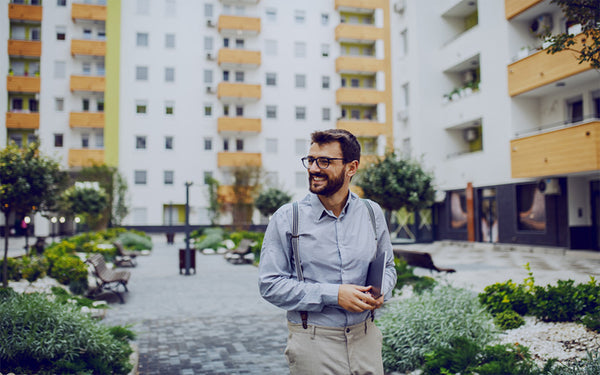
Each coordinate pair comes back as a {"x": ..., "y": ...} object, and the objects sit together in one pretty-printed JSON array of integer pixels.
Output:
[
  {"x": 140, "y": 215},
  {"x": 271, "y": 14},
  {"x": 326, "y": 114},
  {"x": 299, "y": 49},
  {"x": 169, "y": 108},
  {"x": 99, "y": 138},
  {"x": 240, "y": 10},
  {"x": 140, "y": 177},
  {"x": 168, "y": 142},
  {"x": 405, "y": 94},
  {"x": 100, "y": 105},
  {"x": 355, "y": 114},
  {"x": 300, "y": 81},
  {"x": 207, "y": 176},
  {"x": 300, "y": 113},
  {"x": 239, "y": 43},
  {"x": 271, "y": 145},
  {"x": 35, "y": 33},
  {"x": 60, "y": 69},
  {"x": 58, "y": 140},
  {"x": 271, "y": 47},
  {"x": 596, "y": 104},
  {"x": 143, "y": 7},
  {"x": 141, "y": 106},
  {"x": 325, "y": 82},
  {"x": 226, "y": 42},
  {"x": 168, "y": 177},
  {"x": 403, "y": 43},
  {"x": 208, "y": 43},
  {"x": 100, "y": 71},
  {"x": 225, "y": 109},
  {"x": 271, "y": 79},
  {"x": 575, "y": 109},
  {"x": 101, "y": 35},
  {"x": 61, "y": 3},
  {"x": 85, "y": 105},
  {"x": 239, "y": 144},
  {"x": 226, "y": 75},
  {"x": 86, "y": 68},
  {"x": 85, "y": 140},
  {"x": 354, "y": 82},
  {"x": 17, "y": 104},
  {"x": 324, "y": 19},
  {"x": 208, "y": 10},
  {"x": 239, "y": 110},
  {"x": 299, "y": 16},
  {"x": 140, "y": 142},
  {"x": 301, "y": 180},
  {"x": 141, "y": 73},
  {"x": 61, "y": 33},
  {"x": 531, "y": 208},
  {"x": 300, "y": 147},
  {"x": 170, "y": 8},
  {"x": 207, "y": 144},
  {"x": 325, "y": 50},
  {"x": 169, "y": 74},
  {"x": 169, "y": 40},
  {"x": 59, "y": 104},
  {"x": 141, "y": 40},
  {"x": 271, "y": 111},
  {"x": 239, "y": 76},
  {"x": 226, "y": 144},
  {"x": 208, "y": 110},
  {"x": 208, "y": 76},
  {"x": 87, "y": 34}
]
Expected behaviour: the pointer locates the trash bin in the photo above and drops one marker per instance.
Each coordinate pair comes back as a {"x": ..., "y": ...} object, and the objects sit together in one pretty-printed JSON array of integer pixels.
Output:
[
  {"x": 170, "y": 238},
  {"x": 182, "y": 260}
]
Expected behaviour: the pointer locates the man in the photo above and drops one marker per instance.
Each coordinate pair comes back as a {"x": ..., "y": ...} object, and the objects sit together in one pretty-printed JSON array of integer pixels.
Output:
[{"x": 336, "y": 243}]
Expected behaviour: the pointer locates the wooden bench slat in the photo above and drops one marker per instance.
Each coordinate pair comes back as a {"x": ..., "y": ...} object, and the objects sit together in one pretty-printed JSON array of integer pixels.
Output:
[
  {"x": 420, "y": 259},
  {"x": 107, "y": 279}
]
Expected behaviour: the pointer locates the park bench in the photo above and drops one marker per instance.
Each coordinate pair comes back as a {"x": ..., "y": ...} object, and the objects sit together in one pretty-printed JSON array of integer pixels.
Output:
[
  {"x": 107, "y": 279},
  {"x": 239, "y": 254},
  {"x": 420, "y": 259},
  {"x": 125, "y": 258}
]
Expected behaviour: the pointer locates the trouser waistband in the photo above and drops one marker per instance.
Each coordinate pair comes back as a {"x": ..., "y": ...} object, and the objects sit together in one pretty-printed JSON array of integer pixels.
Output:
[{"x": 322, "y": 330}]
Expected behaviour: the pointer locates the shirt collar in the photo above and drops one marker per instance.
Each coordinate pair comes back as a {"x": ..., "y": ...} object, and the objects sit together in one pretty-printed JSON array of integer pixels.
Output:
[{"x": 318, "y": 210}]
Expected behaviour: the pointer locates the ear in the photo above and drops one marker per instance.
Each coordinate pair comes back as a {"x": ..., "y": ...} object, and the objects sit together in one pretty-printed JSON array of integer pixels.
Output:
[{"x": 352, "y": 168}]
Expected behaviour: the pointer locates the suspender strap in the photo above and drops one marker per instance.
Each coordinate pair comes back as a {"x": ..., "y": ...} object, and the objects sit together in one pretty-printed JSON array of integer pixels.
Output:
[
  {"x": 372, "y": 217},
  {"x": 295, "y": 236}
]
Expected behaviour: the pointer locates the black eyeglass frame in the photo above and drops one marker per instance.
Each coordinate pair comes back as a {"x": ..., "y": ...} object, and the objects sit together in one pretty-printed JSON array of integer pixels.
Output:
[{"x": 308, "y": 161}]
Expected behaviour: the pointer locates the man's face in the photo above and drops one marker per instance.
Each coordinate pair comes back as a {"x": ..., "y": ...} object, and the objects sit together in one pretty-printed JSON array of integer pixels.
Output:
[{"x": 327, "y": 181}]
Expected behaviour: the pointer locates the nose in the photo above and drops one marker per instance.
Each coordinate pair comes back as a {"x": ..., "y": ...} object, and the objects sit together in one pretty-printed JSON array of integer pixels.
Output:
[{"x": 314, "y": 167}]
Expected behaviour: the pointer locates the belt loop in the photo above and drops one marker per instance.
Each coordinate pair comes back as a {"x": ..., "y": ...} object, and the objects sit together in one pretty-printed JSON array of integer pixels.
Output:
[
  {"x": 314, "y": 332},
  {"x": 366, "y": 326}
]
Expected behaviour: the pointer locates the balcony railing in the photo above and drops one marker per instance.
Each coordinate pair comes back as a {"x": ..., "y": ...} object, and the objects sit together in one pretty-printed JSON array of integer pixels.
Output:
[
  {"x": 361, "y": 4},
  {"x": 239, "y": 124},
  {"x": 354, "y": 64},
  {"x": 83, "y": 157},
  {"x": 22, "y": 84},
  {"x": 21, "y": 120},
  {"x": 88, "y": 47},
  {"x": 239, "y": 159},
  {"x": 86, "y": 119},
  {"x": 88, "y": 12},
  {"x": 349, "y": 33},
  {"x": 239, "y": 25},
  {"x": 359, "y": 96},
  {"x": 28, "y": 48},
  {"x": 235, "y": 57},
  {"x": 513, "y": 8},
  {"x": 87, "y": 83},
  {"x": 244, "y": 91},
  {"x": 24, "y": 12},
  {"x": 363, "y": 128}
]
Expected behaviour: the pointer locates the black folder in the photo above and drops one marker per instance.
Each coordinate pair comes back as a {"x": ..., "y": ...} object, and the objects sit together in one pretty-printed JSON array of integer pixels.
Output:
[{"x": 375, "y": 275}]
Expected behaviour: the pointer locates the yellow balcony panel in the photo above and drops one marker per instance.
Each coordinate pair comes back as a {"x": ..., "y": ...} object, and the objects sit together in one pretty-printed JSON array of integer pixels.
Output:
[
  {"x": 231, "y": 58},
  {"x": 246, "y": 26},
  {"x": 239, "y": 124},
  {"x": 87, "y": 83},
  {"x": 227, "y": 194},
  {"x": 88, "y": 47},
  {"x": 239, "y": 159},
  {"x": 243, "y": 91},
  {"x": 239, "y": 2},
  {"x": 25, "y": 12},
  {"x": 86, "y": 119},
  {"x": 83, "y": 157},
  {"x": 357, "y": 64},
  {"x": 570, "y": 150},
  {"x": 350, "y": 33},
  {"x": 359, "y": 96},
  {"x": 88, "y": 12},
  {"x": 364, "y": 128},
  {"x": 17, "y": 120},
  {"x": 22, "y": 84},
  {"x": 360, "y": 4},
  {"x": 541, "y": 69},
  {"x": 30, "y": 48},
  {"x": 513, "y": 8}
]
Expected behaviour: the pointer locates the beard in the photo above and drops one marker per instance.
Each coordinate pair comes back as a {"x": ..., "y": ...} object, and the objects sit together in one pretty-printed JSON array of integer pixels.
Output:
[{"x": 332, "y": 184}]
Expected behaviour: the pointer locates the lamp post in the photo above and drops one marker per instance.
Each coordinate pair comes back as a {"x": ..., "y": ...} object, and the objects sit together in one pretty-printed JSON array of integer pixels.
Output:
[
  {"x": 62, "y": 221},
  {"x": 53, "y": 220},
  {"x": 187, "y": 227},
  {"x": 77, "y": 220},
  {"x": 27, "y": 220}
]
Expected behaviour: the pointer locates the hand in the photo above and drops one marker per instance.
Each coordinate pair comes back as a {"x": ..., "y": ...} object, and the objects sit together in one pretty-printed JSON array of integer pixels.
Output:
[{"x": 355, "y": 298}]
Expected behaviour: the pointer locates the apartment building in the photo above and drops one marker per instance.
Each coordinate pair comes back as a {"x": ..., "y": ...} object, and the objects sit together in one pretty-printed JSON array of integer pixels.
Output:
[{"x": 510, "y": 132}]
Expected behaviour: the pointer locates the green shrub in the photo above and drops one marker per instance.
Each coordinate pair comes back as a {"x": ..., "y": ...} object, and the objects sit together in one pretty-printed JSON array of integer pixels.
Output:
[
  {"x": 460, "y": 355},
  {"x": 592, "y": 320},
  {"x": 506, "y": 359},
  {"x": 256, "y": 237},
  {"x": 14, "y": 268},
  {"x": 40, "y": 336},
  {"x": 135, "y": 241},
  {"x": 62, "y": 296},
  {"x": 32, "y": 268},
  {"x": 406, "y": 276},
  {"x": 418, "y": 325},
  {"x": 508, "y": 319},
  {"x": 505, "y": 296},
  {"x": 69, "y": 268},
  {"x": 210, "y": 238},
  {"x": 565, "y": 301},
  {"x": 590, "y": 365}
]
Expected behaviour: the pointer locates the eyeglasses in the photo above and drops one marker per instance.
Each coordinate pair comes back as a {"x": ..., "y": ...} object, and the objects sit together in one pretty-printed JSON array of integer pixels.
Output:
[{"x": 322, "y": 162}]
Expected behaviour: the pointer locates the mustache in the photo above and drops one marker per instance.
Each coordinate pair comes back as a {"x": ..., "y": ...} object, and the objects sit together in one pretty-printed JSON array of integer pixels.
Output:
[{"x": 316, "y": 175}]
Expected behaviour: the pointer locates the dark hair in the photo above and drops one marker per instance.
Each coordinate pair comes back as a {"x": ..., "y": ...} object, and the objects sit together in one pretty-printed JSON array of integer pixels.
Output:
[{"x": 348, "y": 142}]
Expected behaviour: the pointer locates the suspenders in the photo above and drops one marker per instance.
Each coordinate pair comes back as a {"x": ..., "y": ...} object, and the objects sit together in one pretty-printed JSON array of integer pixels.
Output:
[{"x": 295, "y": 237}]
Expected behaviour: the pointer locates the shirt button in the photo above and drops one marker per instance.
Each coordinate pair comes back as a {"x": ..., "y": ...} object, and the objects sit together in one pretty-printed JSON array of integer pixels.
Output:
[{"x": 347, "y": 330}]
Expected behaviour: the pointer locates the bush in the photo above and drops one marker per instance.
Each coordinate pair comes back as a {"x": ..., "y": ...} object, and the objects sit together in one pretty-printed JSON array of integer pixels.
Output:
[
  {"x": 40, "y": 336},
  {"x": 508, "y": 319},
  {"x": 418, "y": 325},
  {"x": 587, "y": 366},
  {"x": 500, "y": 297},
  {"x": 210, "y": 238},
  {"x": 135, "y": 241},
  {"x": 565, "y": 301},
  {"x": 592, "y": 320},
  {"x": 256, "y": 237},
  {"x": 14, "y": 268},
  {"x": 406, "y": 276},
  {"x": 68, "y": 269},
  {"x": 33, "y": 268}
]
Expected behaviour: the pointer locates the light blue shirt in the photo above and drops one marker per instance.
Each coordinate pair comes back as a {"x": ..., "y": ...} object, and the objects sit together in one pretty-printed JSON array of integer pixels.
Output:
[{"x": 332, "y": 250}]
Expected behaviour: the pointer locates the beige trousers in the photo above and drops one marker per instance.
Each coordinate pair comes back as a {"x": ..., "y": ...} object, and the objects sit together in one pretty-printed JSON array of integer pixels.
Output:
[{"x": 354, "y": 350}]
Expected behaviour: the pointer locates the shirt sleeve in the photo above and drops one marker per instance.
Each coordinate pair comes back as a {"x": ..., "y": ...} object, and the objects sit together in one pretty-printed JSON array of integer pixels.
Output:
[{"x": 278, "y": 283}]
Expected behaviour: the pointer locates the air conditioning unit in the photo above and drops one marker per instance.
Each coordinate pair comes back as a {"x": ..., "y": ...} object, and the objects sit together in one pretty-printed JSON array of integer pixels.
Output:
[
  {"x": 210, "y": 23},
  {"x": 210, "y": 90},
  {"x": 403, "y": 115},
  {"x": 399, "y": 6},
  {"x": 210, "y": 56},
  {"x": 541, "y": 25},
  {"x": 549, "y": 186},
  {"x": 470, "y": 134}
]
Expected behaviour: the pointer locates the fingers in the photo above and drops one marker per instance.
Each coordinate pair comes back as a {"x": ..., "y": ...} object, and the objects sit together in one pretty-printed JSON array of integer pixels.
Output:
[{"x": 355, "y": 298}]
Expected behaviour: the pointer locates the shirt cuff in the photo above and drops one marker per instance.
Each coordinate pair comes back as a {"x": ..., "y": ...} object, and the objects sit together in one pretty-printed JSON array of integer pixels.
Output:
[{"x": 330, "y": 294}]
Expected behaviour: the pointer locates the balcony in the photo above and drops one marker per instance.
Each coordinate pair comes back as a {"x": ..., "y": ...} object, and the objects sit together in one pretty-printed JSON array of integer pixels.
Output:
[
  {"x": 238, "y": 124},
  {"x": 86, "y": 119},
  {"x": 352, "y": 5},
  {"x": 358, "y": 64},
  {"x": 19, "y": 120},
  {"x": 87, "y": 83},
  {"x": 542, "y": 69},
  {"x": 513, "y": 8},
  {"x": 363, "y": 128},
  {"x": 239, "y": 159},
  {"x": 239, "y": 2},
  {"x": 21, "y": 12},
  {"x": 88, "y": 47},
  {"x": 235, "y": 58},
  {"x": 227, "y": 194},
  {"x": 239, "y": 25},
  {"x": 569, "y": 150},
  {"x": 23, "y": 84},
  {"x": 239, "y": 92},
  {"x": 83, "y": 157},
  {"x": 88, "y": 12},
  {"x": 358, "y": 33},
  {"x": 359, "y": 96},
  {"x": 25, "y": 48}
]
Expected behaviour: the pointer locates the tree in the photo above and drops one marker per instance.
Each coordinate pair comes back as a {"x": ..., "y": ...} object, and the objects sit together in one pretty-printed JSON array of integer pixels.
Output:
[
  {"x": 88, "y": 200},
  {"x": 270, "y": 200},
  {"x": 28, "y": 182},
  {"x": 587, "y": 14},
  {"x": 240, "y": 195},
  {"x": 115, "y": 187},
  {"x": 395, "y": 182},
  {"x": 214, "y": 205}
]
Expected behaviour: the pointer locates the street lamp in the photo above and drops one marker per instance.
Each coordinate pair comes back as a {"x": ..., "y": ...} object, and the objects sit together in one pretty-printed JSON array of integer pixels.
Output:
[
  {"x": 62, "y": 221},
  {"x": 27, "y": 220},
  {"x": 53, "y": 220},
  {"x": 77, "y": 220},
  {"x": 187, "y": 228}
]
